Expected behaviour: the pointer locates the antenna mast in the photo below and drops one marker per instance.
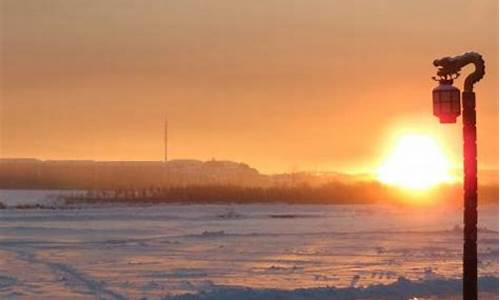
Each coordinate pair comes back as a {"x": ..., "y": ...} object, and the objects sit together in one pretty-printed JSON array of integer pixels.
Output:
[{"x": 165, "y": 159}]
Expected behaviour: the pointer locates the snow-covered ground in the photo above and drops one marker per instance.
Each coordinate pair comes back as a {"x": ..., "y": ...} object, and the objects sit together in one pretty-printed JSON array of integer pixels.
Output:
[{"x": 243, "y": 252}]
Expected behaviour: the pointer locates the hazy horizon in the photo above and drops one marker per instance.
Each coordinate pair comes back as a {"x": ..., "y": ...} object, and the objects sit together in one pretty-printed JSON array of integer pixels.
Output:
[{"x": 316, "y": 85}]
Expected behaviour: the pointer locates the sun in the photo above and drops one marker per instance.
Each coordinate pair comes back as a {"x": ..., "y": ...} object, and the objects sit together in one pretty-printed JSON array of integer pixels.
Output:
[{"x": 416, "y": 162}]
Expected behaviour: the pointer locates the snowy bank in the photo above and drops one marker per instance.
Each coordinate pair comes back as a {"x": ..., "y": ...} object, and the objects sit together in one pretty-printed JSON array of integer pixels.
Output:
[{"x": 400, "y": 289}]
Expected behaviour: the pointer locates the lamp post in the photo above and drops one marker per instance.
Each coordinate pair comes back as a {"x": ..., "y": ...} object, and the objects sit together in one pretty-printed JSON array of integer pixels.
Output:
[{"x": 446, "y": 106}]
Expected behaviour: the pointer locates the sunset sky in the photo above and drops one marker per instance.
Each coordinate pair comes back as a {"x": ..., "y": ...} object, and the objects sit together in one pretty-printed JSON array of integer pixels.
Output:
[{"x": 281, "y": 85}]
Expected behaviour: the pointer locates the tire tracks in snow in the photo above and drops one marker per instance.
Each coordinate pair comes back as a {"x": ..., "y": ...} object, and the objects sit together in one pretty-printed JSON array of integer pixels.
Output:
[{"x": 70, "y": 277}]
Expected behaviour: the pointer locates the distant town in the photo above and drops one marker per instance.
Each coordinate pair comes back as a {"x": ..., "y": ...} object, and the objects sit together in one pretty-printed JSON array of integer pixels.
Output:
[
  {"x": 213, "y": 181},
  {"x": 28, "y": 173}
]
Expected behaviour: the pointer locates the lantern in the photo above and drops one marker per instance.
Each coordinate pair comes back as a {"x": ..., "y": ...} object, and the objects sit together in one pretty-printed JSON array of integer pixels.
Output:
[{"x": 446, "y": 101}]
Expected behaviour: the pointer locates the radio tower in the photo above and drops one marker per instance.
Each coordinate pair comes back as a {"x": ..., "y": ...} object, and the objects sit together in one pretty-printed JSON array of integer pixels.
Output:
[{"x": 165, "y": 159}]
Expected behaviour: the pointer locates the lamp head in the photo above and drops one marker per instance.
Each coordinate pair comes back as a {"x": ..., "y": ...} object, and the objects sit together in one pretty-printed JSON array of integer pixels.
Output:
[{"x": 446, "y": 101}]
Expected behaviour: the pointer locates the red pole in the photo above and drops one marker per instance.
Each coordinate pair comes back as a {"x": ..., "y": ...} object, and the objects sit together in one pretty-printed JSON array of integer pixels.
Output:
[
  {"x": 470, "y": 197},
  {"x": 449, "y": 67}
]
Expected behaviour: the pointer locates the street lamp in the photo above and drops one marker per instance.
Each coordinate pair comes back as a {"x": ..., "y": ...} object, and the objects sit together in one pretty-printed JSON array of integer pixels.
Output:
[
  {"x": 446, "y": 101},
  {"x": 446, "y": 106}
]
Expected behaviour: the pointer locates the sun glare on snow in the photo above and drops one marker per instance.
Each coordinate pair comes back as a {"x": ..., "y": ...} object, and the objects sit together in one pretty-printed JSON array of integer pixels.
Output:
[{"x": 416, "y": 162}]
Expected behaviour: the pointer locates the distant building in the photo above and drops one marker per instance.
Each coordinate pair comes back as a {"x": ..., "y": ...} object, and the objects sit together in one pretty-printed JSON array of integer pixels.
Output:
[{"x": 84, "y": 174}]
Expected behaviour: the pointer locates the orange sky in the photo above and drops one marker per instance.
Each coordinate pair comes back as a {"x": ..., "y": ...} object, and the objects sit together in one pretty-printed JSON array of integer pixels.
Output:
[{"x": 281, "y": 85}]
